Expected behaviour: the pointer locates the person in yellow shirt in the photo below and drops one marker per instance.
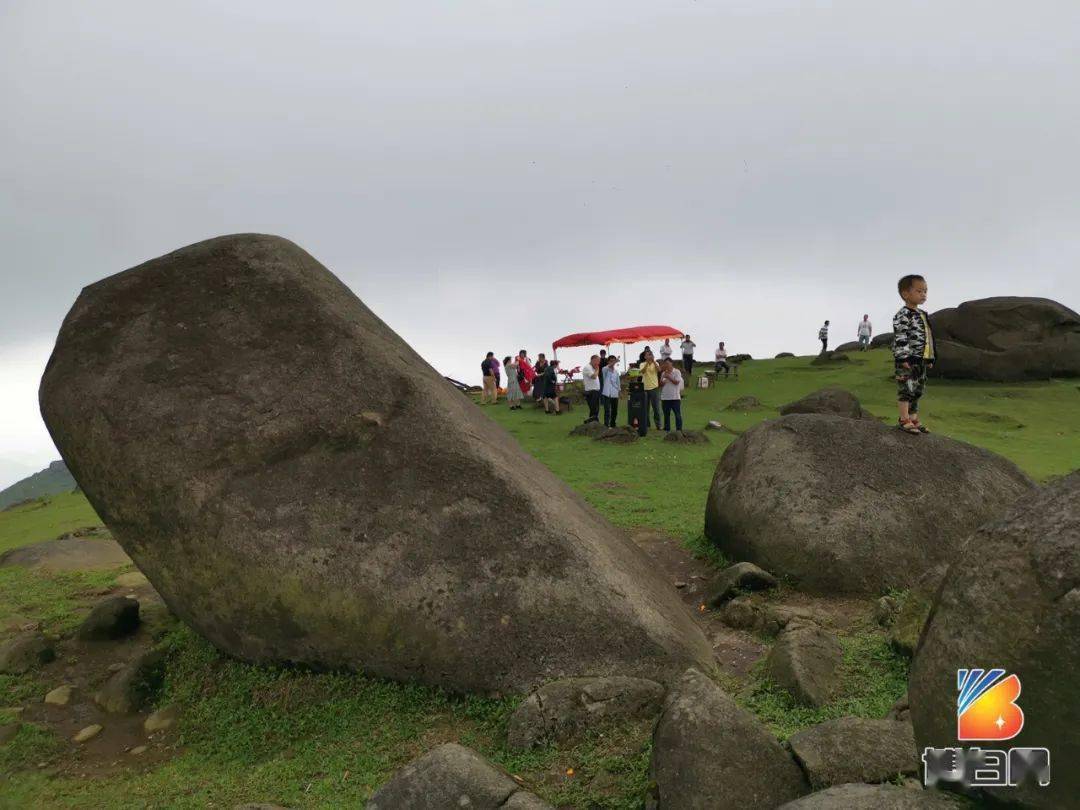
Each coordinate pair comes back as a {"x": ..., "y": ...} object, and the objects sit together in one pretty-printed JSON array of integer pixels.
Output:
[{"x": 650, "y": 376}]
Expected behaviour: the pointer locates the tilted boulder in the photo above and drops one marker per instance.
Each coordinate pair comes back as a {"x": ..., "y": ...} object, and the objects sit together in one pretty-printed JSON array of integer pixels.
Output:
[
  {"x": 805, "y": 662},
  {"x": 846, "y": 505},
  {"x": 1006, "y": 339},
  {"x": 1011, "y": 600},
  {"x": 710, "y": 754},
  {"x": 216, "y": 406}
]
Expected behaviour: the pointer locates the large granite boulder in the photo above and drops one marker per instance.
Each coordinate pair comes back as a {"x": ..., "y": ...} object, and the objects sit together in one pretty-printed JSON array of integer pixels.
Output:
[
  {"x": 1011, "y": 600},
  {"x": 830, "y": 502},
  {"x": 828, "y": 400},
  {"x": 1006, "y": 339},
  {"x": 299, "y": 485},
  {"x": 709, "y": 754}
]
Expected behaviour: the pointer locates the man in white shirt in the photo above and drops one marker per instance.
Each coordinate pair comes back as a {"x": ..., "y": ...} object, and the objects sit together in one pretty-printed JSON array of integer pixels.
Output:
[
  {"x": 865, "y": 331},
  {"x": 721, "y": 359},
  {"x": 665, "y": 350},
  {"x": 671, "y": 387},
  {"x": 687, "y": 347},
  {"x": 590, "y": 376}
]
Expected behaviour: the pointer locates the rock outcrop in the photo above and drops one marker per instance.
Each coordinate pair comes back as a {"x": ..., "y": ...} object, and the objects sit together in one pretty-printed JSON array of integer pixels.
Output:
[
  {"x": 453, "y": 776},
  {"x": 829, "y": 400},
  {"x": 709, "y": 754},
  {"x": 828, "y": 501},
  {"x": 563, "y": 709},
  {"x": 855, "y": 749},
  {"x": 1011, "y": 600},
  {"x": 1006, "y": 339},
  {"x": 215, "y": 405}
]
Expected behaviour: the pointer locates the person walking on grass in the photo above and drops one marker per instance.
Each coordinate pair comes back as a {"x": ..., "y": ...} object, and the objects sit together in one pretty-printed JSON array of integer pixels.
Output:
[
  {"x": 514, "y": 394},
  {"x": 650, "y": 379},
  {"x": 913, "y": 352},
  {"x": 687, "y": 347},
  {"x": 590, "y": 377},
  {"x": 721, "y": 360},
  {"x": 823, "y": 336},
  {"x": 864, "y": 333},
  {"x": 610, "y": 385},
  {"x": 671, "y": 395},
  {"x": 491, "y": 389}
]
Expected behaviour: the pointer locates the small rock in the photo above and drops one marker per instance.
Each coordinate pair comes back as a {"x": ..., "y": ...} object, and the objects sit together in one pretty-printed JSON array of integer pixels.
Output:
[
  {"x": 112, "y": 618},
  {"x": 680, "y": 584},
  {"x": 561, "y": 709},
  {"x": 804, "y": 661},
  {"x": 901, "y": 710},
  {"x": 61, "y": 695},
  {"x": 138, "y": 749},
  {"x": 686, "y": 437},
  {"x": 589, "y": 429},
  {"x": 132, "y": 579},
  {"x": 618, "y": 436},
  {"x": 885, "y": 610},
  {"x": 855, "y": 749},
  {"x": 129, "y": 689},
  {"x": 87, "y": 733},
  {"x": 742, "y": 614},
  {"x": 119, "y": 665},
  {"x": 743, "y": 576},
  {"x": 24, "y": 653},
  {"x": 746, "y": 403},
  {"x": 160, "y": 720}
]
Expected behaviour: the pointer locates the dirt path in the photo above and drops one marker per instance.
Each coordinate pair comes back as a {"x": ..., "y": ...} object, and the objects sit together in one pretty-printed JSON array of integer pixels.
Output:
[{"x": 735, "y": 650}]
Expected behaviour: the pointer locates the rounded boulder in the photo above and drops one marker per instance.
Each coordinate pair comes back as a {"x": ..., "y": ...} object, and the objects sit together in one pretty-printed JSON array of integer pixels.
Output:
[{"x": 851, "y": 505}]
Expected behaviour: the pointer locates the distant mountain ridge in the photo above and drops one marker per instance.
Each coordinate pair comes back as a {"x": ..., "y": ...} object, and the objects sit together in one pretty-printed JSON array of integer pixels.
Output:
[{"x": 53, "y": 480}]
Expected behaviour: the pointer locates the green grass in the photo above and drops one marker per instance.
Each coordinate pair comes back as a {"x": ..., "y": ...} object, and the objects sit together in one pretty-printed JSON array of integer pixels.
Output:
[
  {"x": 45, "y": 519},
  {"x": 304, "y": 739},
  {"x": 872, "y": 678}
]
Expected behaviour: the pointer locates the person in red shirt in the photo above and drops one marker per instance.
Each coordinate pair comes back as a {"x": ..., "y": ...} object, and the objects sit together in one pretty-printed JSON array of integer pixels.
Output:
[{"x": 526, "y": 373}]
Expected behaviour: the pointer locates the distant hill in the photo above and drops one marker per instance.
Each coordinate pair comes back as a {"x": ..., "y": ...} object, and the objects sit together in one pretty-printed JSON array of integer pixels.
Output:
[{"x": 53, "y": 480}]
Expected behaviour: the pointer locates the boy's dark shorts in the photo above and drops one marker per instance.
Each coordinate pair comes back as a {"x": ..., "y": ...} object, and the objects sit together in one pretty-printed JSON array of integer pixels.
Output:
[{"x": 910, "y": 382}]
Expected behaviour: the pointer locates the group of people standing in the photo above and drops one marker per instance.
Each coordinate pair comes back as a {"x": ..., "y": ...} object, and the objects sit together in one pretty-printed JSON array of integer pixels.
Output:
[
  {"x": 663, "y": 382},
  {"x": 863, "y": 332},
  {"x": 523, "y": 379}
]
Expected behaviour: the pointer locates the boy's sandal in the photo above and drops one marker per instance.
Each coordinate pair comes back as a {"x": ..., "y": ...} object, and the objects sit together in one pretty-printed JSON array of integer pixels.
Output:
[
  {"x": 908, "y": 427},
  {"x": 922, "y": 428}
]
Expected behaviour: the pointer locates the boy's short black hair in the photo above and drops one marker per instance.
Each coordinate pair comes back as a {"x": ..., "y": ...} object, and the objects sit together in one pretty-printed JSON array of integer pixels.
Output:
[{"x": 907, "y": 282}]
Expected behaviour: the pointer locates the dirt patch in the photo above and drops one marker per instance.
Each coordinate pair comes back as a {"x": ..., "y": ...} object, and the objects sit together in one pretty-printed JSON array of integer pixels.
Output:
[
  {"x": 609, "y": 486},
  {"x": 92, "y": 552},
  {"x": 736, "y": 651}
]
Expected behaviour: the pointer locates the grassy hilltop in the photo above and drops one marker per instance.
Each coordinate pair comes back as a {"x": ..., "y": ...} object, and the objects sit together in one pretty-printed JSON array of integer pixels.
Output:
[{"x": 303, "y": 739}]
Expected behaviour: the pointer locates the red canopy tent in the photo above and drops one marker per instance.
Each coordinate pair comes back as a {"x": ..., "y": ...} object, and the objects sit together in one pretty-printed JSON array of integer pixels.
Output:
[{"x": 629, "y": 334}]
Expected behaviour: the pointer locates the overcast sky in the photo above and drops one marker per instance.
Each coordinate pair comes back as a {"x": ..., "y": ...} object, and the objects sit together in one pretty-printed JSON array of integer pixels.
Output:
[{"x": 491, "y": 176}]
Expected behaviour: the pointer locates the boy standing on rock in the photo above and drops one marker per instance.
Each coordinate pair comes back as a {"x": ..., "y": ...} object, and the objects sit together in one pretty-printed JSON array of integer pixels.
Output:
[{"x": 913, "y": 351}]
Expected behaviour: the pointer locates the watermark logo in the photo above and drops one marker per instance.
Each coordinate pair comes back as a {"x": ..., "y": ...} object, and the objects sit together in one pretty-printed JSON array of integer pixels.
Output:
[
  {"x": 986, "y": 710},
  {"x": 986, "y": 705}
]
